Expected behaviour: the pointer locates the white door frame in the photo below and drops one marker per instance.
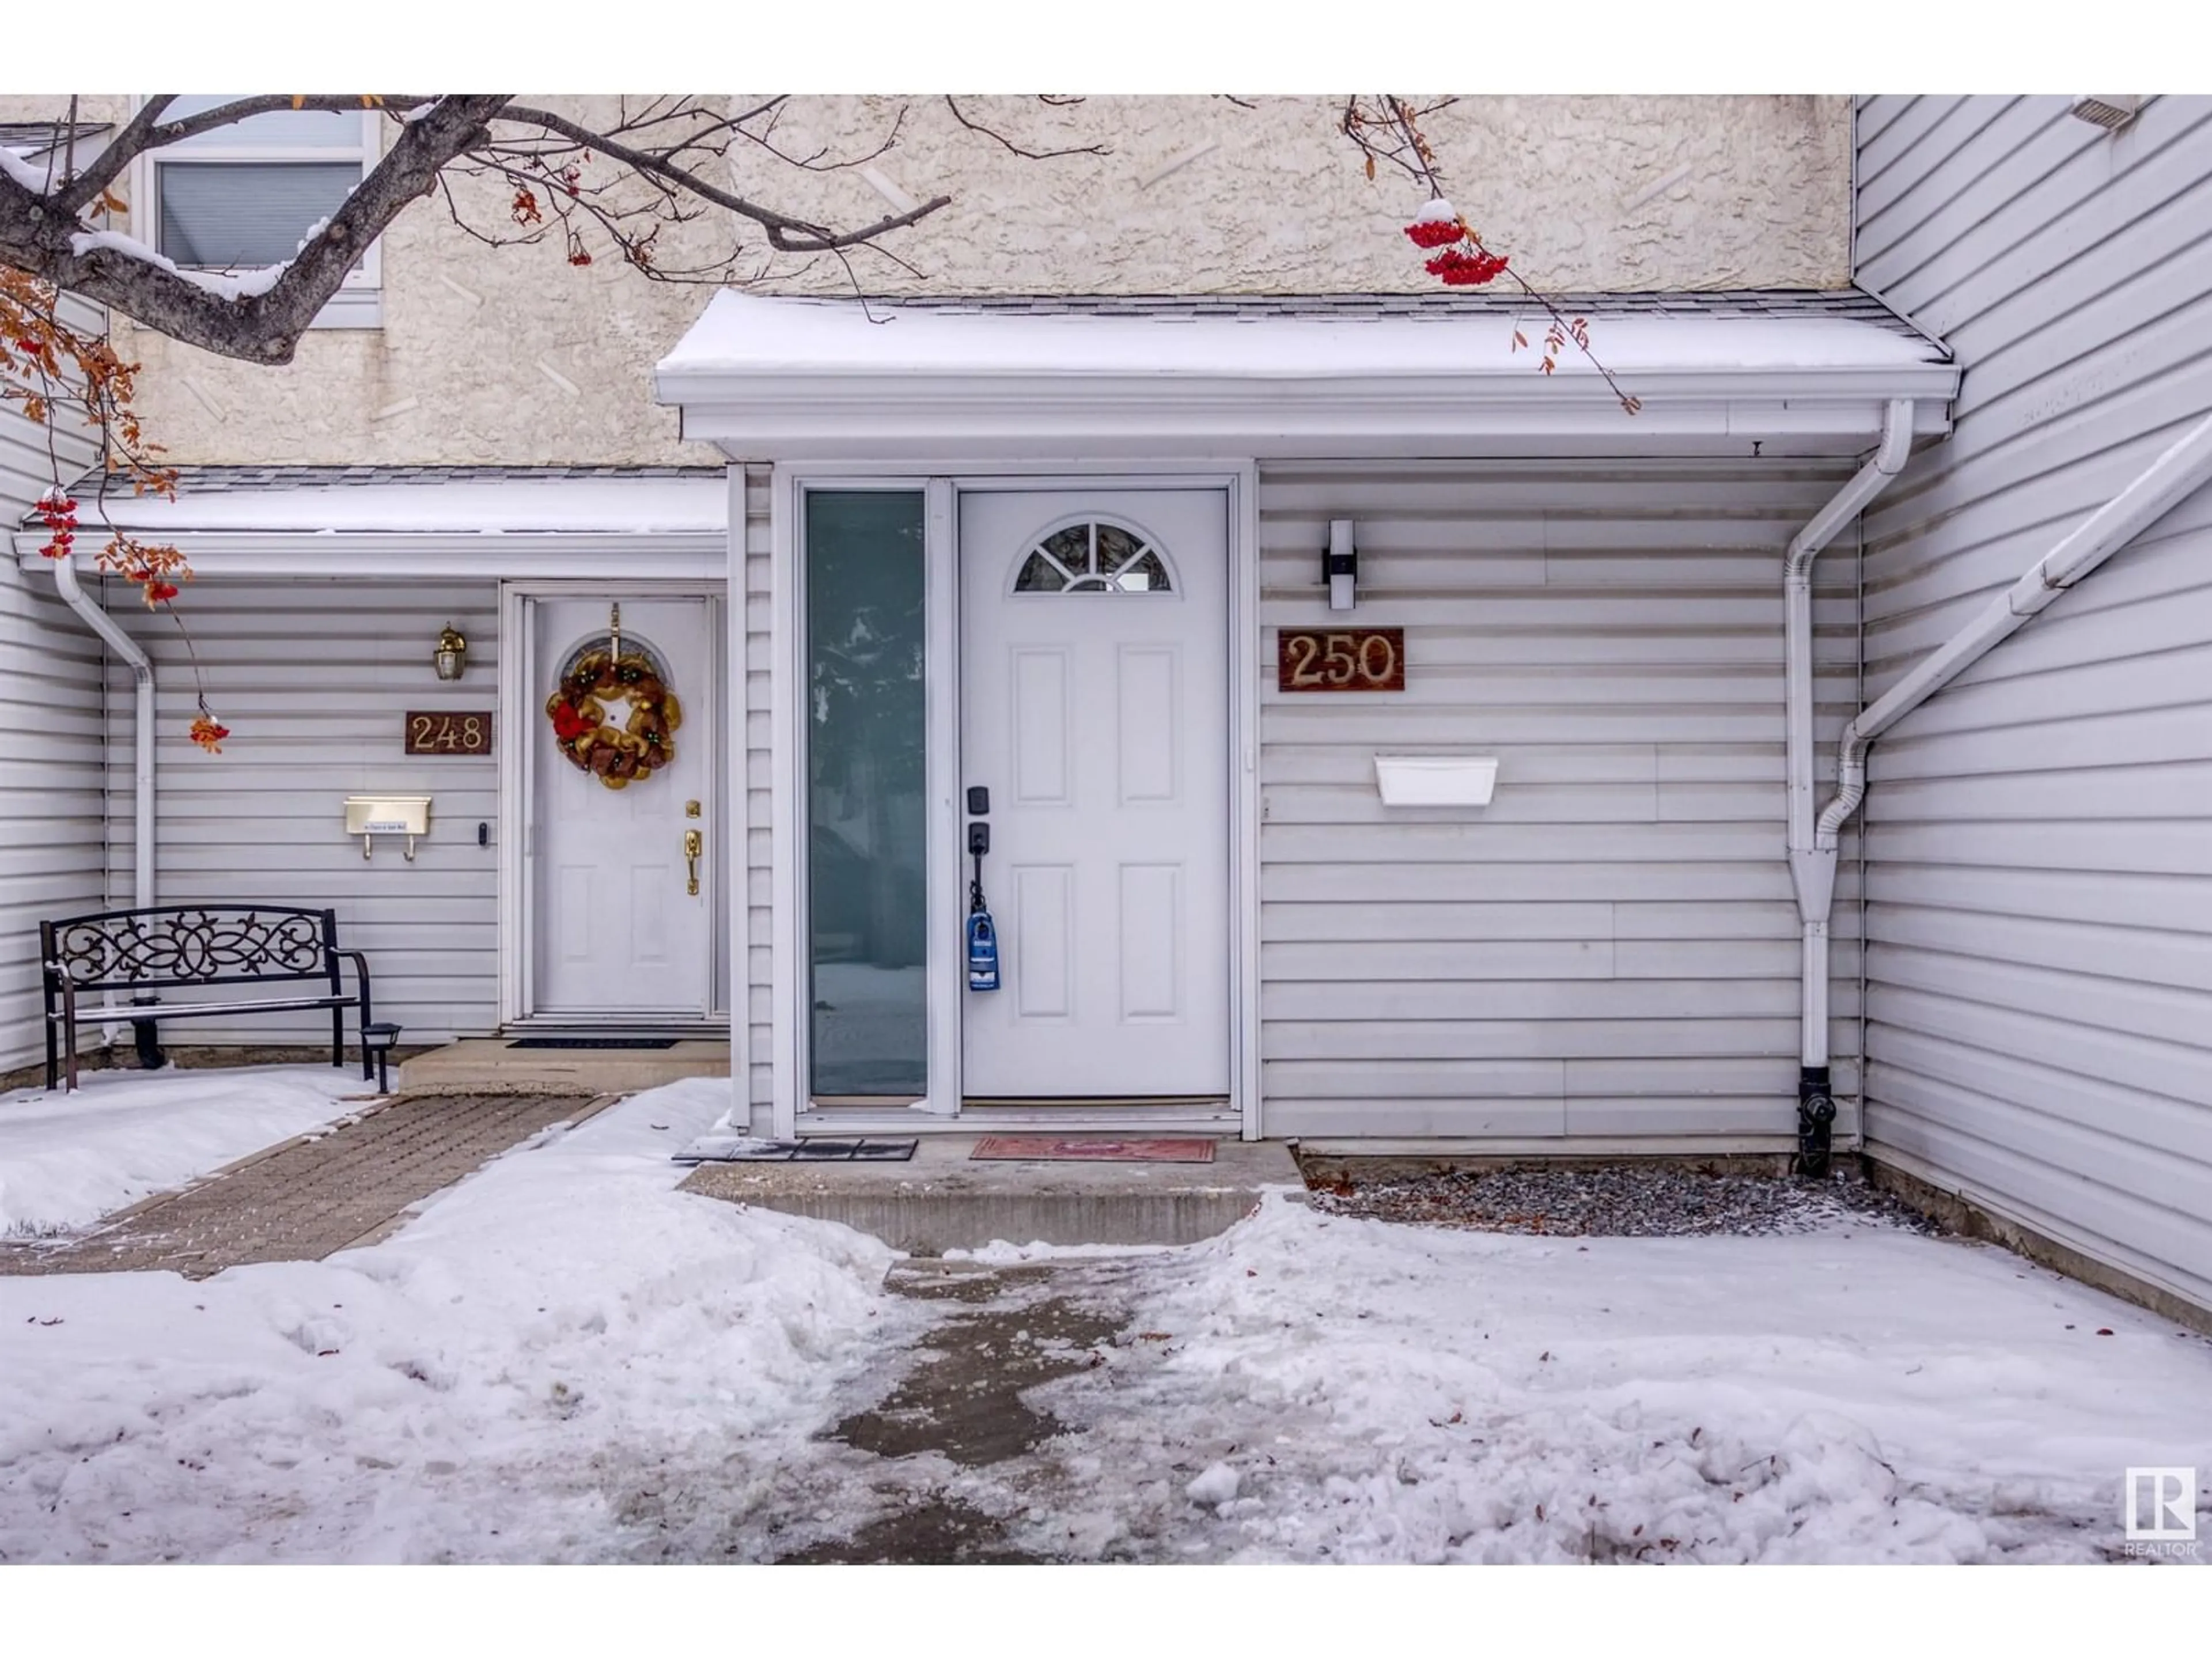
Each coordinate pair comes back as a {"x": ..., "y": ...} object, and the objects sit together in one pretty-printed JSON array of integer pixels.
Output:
[
  {"x": 516, "y": 725},
  {"x": 941, "y": 485}
]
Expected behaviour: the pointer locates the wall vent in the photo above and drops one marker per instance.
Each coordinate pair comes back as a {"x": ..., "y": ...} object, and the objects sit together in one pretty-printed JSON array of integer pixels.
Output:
[{"x": 2110, "y": 111}]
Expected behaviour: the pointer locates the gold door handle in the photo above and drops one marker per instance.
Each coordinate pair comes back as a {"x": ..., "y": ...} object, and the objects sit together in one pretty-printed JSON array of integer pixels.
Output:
[{"x": 693, "y": 844}]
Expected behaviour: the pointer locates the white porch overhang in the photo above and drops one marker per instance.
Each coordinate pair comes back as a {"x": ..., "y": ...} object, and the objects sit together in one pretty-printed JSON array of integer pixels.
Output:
[
  {"x": 394, "y": 523},
  {"x": 802, "y": 380}
]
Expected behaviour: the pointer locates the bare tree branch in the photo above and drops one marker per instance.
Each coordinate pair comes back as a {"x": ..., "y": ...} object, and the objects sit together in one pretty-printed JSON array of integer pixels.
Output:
[
  {"x": 785, "y": 234},
  {"x": 961, "y": 116},
  {"x": 625, "y": 183},
  {"x": 37, "y": 237}
]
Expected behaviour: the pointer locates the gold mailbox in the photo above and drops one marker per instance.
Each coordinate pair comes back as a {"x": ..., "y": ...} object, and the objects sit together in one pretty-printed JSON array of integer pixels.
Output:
[{"x": 371, "y": 816}]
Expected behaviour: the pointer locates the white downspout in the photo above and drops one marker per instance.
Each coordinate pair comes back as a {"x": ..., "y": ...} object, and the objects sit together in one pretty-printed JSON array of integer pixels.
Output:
[
  {"x": 2179, "y": 472},
  {"x": 1812, "y": 868},
  {"x": 112, "y": 634}
]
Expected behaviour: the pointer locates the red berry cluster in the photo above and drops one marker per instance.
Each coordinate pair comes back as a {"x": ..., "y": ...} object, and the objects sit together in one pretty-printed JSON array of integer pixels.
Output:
[
  {"x": 1433, "y": 233},
  {"x": 59, "y": 514},
  {"x": 1456, "y": 268}
]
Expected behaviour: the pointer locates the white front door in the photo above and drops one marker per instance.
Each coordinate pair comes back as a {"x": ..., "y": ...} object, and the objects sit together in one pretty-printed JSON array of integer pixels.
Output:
[
  {"x": 1095, "y": 708},
  {"x": 618, "y": 932}
]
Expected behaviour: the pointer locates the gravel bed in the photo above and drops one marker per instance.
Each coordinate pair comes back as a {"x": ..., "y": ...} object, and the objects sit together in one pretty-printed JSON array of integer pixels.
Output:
[{"x": 1632, "y": 1200}]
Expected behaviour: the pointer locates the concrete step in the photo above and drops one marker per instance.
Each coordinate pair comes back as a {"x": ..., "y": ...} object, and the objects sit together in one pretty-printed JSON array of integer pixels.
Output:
[
  {"x": 942, "y": 1201},
  {"x": 482, "y": 1066}
]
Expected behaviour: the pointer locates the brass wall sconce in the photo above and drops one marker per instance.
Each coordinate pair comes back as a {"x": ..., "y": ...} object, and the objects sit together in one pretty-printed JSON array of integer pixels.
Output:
[{"x": 452, "y": 655}]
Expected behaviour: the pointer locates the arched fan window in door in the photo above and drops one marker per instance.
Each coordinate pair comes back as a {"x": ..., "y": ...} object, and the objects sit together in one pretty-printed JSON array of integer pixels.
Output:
[{"x": 1096, "y": 556}]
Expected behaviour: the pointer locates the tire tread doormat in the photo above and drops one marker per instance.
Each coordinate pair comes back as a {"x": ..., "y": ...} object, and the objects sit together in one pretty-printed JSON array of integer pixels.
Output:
[
  {"x": 745, "y": 1149},
  {"x": 591, "y": 1043},
  {"x": 1096, "y": 1149}
]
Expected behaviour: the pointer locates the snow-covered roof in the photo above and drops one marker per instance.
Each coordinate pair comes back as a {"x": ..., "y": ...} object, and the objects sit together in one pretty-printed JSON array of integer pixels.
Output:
[
  {"x": 217, "y": 480},
  {"x": 789, "y": 378},
  {"x": 423, "y": 500},
  {"x": 414, "y": 521},
  {"x": 1850, "y": 304},
  {"x": 37, "y": 137},
  {"x": 743, "y": 333}
]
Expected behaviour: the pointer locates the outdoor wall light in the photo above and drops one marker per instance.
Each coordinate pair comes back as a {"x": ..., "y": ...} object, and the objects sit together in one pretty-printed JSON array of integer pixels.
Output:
[
  {"x": 2111, "y": 110},
  {"x": 452, "y": 655},
  {"x": 1339, "y": 566}
]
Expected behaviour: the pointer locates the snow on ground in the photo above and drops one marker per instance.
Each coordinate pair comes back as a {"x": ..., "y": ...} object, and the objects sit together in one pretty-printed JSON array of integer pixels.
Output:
[
  {"x": 559, "y": 1335},
  {"x": 563, "y": 1359},
  {"x": 68, "y": 1158},
  {"x": 1385, "y": 1393}
]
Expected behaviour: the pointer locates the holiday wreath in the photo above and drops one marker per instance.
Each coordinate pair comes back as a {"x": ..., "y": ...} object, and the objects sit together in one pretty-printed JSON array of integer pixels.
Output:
[{"x": 614, "y": 754}]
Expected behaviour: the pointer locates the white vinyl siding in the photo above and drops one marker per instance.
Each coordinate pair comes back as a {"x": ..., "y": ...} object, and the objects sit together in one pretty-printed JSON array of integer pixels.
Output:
[
  {"x": 51, "y": 777},
  {"x": 50, "y": 790},
  {"x": 313, "y": 678},
  {"x": 52, "y": 771},
  {"x": 1610, "y": 949},
  {"x": 2039, "y": 836}
]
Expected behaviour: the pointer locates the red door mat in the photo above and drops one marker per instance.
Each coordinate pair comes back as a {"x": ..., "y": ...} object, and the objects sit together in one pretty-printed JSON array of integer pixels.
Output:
[{"x": 1096, "y": 1149}]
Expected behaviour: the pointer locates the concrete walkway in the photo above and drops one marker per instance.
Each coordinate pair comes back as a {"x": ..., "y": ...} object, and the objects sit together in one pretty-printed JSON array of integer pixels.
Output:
[
  {"x": 494, "y": 1066},
  {"x": 303, "y": 1200}
]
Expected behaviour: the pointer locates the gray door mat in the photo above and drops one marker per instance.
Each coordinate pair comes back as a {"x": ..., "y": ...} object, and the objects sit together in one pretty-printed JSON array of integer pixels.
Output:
[
  {"x": 591, "y": 1043},
  {"x": 746, "y": 1149}
]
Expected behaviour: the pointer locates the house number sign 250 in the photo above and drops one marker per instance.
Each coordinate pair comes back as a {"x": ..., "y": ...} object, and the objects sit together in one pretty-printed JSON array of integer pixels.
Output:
[
  {"x": 1340, "y": 660},
  {"x": 449, "y": 733}
]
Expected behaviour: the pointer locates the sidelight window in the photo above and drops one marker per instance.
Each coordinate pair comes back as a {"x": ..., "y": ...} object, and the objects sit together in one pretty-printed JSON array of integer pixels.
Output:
[{"x": 867, "y": 731}]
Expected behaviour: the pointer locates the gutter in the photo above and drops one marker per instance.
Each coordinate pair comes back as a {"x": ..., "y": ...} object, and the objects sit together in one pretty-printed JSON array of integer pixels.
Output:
[
  {"x": 1812, "y": 865},
  {"x": 378, "y": 555},
  {"x": 112, "y": 634},
  {"x": 2178, "y": 473},
  {"x": 803, "y": 416}
]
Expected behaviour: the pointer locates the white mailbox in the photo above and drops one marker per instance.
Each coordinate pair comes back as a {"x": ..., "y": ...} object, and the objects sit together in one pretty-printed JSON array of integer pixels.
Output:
[
  {"x": 1435, "y": 779},
  {"x": 371, "y": 816}
]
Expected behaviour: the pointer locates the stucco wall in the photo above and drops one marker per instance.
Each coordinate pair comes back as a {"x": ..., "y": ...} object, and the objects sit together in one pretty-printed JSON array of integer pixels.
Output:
[
  {"x": 511, "y": 356},
  {"x": 1590, "y": 192}
]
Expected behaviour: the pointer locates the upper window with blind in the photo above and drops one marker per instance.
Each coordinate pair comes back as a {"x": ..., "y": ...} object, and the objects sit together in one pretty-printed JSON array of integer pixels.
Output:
[{"x": 248, "y": 194}]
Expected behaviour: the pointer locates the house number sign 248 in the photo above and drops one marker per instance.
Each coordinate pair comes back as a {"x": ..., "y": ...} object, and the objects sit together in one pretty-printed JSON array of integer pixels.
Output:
[
  {"x": 1340, "y": 660},
  {"x": 447, "y": 733}
]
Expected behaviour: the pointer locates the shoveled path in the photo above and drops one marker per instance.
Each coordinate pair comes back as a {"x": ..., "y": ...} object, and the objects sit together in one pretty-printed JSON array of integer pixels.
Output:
[
  {"x": 951, "y": 1450},
  {"x": 309, "y": 1197}
]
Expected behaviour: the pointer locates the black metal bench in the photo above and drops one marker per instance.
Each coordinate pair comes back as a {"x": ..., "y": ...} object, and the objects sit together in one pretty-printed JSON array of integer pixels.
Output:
[{"x": 186, "y": 946}]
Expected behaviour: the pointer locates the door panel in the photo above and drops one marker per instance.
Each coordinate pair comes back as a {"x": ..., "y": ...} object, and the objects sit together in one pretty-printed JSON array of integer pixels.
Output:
[
  {"x": 1040, "y": 720},
  {"x": 1149, "y": 942},
  {"x": 1044, "y": 916},
  {"x": 1145, "y": 702},
  {"x": 1095, "y": 706},
  {"x": 616, "y": 934}
]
